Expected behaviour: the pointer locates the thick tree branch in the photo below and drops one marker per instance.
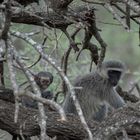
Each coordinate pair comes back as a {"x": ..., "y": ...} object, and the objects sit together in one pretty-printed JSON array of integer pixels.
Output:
[
  {"x": 52, "y": 19},
  {"x": 28, "y": 123},
  {"x": 127, "y": 118},
  {"x": 122, "y": 119}
]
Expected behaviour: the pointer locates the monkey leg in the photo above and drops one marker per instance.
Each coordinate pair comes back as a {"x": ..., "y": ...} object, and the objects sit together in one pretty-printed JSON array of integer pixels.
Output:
[{"x": 101, "y": 113}]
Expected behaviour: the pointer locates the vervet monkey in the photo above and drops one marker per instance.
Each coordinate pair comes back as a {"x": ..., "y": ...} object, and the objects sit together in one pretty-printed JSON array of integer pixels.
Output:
[
  {"x": 97, "y": 91},
  {"x": 43, "y": 80}
]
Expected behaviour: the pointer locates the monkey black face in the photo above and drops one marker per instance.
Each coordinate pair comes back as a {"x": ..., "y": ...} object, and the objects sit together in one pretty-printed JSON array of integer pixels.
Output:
[
  {"x": 44, "y": 79},
  {"x": 114, "y": 76},
  {"x": 44, "y": 82}
]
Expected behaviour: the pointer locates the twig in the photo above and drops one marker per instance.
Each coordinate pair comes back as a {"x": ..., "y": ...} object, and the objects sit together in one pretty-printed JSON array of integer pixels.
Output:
[
  {"x": 10, "y": 57},
  {"x": 133, "y": 5},
  {"x": 94, "y": 31},
  {"x": 66, "y": 58},
  {"x": 4, "y": 36},
  {"x": 120, "y": 9},
  {"x": 138, "y": 88},
  {"x": 128, "y": 16},
  {"x": 117, "y": 17},
  {"x": 8, "y": 16},
  {"x": 2, "y": 60},
  {"x": 71, "y": 41}
]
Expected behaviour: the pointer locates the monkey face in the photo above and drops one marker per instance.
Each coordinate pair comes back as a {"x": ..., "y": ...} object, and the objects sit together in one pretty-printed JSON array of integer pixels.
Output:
[
  {"x": 43, "y": 79},
  {"x": 44, "y": 82},
  {"x": 114, "y": 77}
]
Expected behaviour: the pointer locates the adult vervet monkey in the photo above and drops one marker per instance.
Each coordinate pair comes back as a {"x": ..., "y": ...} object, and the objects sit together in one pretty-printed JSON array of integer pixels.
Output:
[{"x": 97, "y": 91}]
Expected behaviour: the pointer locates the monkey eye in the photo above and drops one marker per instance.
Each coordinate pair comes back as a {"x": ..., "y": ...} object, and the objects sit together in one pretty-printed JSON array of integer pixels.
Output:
[
  {"x": 114, "y": 72},
  {"x": 45, "y": 82}
]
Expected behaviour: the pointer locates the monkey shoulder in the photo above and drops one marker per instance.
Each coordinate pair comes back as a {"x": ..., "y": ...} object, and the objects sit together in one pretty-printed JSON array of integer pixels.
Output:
[
  {"x": 90, "y": 78},
  {"x": 84, "y": 79},
  {"x": 91, "y": 86}
]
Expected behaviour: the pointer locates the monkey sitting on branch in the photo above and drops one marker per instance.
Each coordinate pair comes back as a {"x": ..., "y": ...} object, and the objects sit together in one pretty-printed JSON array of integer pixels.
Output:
[
  {"x": 43, "y": 80},
  {"x": 97, "y": 91}
]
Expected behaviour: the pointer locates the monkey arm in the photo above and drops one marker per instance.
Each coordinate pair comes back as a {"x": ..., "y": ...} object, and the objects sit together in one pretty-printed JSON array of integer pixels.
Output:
[
  {"x": 115, "y": 100},
  {"x": 68, "y": 105},
  {"x": 27, "y": 102}
]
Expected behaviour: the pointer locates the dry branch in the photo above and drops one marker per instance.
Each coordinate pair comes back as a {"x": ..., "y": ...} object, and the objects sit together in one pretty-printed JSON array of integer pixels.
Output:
[
  {"x": 123, "y": 119},
  {"x": 28, "y": 122},
  {"x": 52, "y": 19}
]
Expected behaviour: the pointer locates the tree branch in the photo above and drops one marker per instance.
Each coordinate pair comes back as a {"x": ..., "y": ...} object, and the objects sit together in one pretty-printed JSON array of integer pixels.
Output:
[
  {"x": 28, "y": 123},
  {"x": 124, "y": 119}
]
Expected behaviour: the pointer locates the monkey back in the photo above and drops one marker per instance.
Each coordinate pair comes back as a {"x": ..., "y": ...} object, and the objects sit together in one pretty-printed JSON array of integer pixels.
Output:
[{"x": 90, "y": 97}]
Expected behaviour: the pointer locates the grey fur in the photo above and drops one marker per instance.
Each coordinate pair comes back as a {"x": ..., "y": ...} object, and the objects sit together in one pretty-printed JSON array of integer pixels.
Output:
[{"x": 96, "y": 93}]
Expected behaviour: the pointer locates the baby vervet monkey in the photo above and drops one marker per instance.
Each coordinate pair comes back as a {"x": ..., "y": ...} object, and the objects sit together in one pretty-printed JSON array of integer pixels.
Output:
[
  {"x": 43, "y": 80},
  {"x": 98, "y": 91}
]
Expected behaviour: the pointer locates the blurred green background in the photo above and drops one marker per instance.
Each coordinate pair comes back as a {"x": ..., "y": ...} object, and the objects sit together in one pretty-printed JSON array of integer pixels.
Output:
[{"x": 122, "y": 45}]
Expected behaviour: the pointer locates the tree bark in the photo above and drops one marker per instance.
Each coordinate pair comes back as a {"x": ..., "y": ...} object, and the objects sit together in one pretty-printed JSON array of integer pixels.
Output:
[
  {"x": 127, "y": 118},
  {"x": 28, "y": 123}
]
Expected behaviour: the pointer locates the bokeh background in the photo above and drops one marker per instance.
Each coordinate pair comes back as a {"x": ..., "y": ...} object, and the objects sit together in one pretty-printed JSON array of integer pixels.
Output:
[{"x": 122, "y": 45}]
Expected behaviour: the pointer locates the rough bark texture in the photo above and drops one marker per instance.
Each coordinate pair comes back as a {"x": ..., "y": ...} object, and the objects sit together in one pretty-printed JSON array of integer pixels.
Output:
[
  {"x": 127, "y": 118},
  {"x": 28, "y": 123}
]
